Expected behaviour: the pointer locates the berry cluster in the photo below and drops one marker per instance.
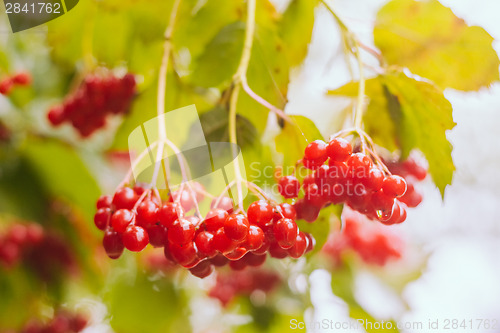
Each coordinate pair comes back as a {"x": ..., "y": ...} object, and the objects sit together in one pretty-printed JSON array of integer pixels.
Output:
[
  {"x": 347, "y": 177},
  {"x": 412, "y": 172},
  {"x": 62, "y": 322},
  {"x": 9, "y": 82},
  {"x": 133, "y": 218},
  {"x": 44, "y": 253},
  {"x": 96, "y": 98},
  {"x": 228, "y": 286},
  {"x": 375, "y": 245}
]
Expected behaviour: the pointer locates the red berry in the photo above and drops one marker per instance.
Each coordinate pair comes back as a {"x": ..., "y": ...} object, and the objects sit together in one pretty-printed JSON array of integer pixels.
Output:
[
  {"x": 359, "y": 165},
  {"x": 255, "y": 238},
  {"x": 125, "y": 198},
  {"x": 316, "y": 151},
  {"x": 113, "y": 244},
  {"x": 202, "y": 269},
  {"x": 255, "y": 260},
  {"x": 312, "y": 164},
  {"x": 186, "y": 199},
  {"x": 135, "y": 238},
  {"x": 237, "y": 265},
  {"x": 289, "y": 186},
  {"x": 185, "y": 254},
  {"x": 168, "y": 213},
  {"x": 284, "y": 210},
  {"x": 34, "y": 233},
  {"x": 236, "y": 227},
  {"x": 101, "y": 218},
  {"x": 314, "y": 196},
  {"x": 104, "y": 201},
  {"x": 277, "y": 251},
  {"x": 236, "y": 254},
  {"x": 147, "y": 213},
  {"x": 204, "y": 243},
  {"x": 121, "y": 219},
  {"x": 56, "y": 115},
  {"x": 157, "y": 235},
  {"x": 6, "y": 86},
  {"x": 381, "y": 201},
  {"x": 339, "y": 149},
  {"x": 22, "y": 78},
  {"x": 181, "y": 231},
  {"x": 374, "y": 179},
  {"x": 394, "y": 186},
  {"x": 285, "y": 232},
  {"x": 215, "y": 219},
  {"x": 222, "y": 243},
  {"x": 260, "y": 212},
  {"x": 17, "y": 234},
  {"x": 306, "y": 211},
  {"x": 299, "y": 248}
]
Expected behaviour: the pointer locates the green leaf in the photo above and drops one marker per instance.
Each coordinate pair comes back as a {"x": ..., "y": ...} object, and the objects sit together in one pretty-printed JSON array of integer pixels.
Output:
[
  {"x": 342, "y": 286},
  {"x": 218, "y": 62},
  {"x": 377, "y": 118},
  {"x": 409, "y": 114},
  {"x": 296, "y": 29},
  {"x": 63, "y": 173},
  {"x": 294, "y": 138},
  {"x": 425, "y": 116},
  {"x": 432, "y": 42},
  {"x": 143, "y": 304}
]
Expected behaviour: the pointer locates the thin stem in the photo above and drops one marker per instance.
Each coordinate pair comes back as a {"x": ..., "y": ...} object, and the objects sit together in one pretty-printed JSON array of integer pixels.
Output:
[
  {"x": 280, "y": 113},
  {"x": 238, "y": 78},
  {"x": 126, "y": 180},
  {"x": 358, "y": 115}
]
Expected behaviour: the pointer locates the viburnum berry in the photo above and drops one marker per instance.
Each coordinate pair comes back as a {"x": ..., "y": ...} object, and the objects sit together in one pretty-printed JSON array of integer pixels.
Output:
[
  {"x": 104, "y": 201},
  {"x": 299, "y": 247},
  {"x": 147, "y": 213},
  {"x": 289, "y": 186},
  {"x": 185, "y": 254},
  {"x": 338, "y": 149},
  {"x": 125, "y": 198},
  {"x": 202, "y": 269},
  {"x": 236, "y": 254},
  {"x": 205, "y": 244},
  {"x": 215, "y": 219},
  {"x": 6, "y": 85},
  {"x": 394, "y": 186},
  {"x": 101, "y": 218},
  {"x": 236, "y": 227},
  {"x": 374, "y": 179},
  {"x": 225, "y": 203},
  {"x": 359, "y": 165},
  {"x": 113, "y": 244},
  {"x": 157, "y": 235},
  {"x": 284, "y": 210},
  {"x": 255, "y": 238},
  {"x": 316, "y": 151},
  {"x": 168, "y": 213},
  {"x": 285, "y": 232},
  {"x": 22, "y": 78},
  {"x": 260, "y": 212},
  {"x": 222, "y": 242},
  {"x": 121, "y": 219},
  {"x": 181, "y": 231},
  {"x": 135, "y": 238}
]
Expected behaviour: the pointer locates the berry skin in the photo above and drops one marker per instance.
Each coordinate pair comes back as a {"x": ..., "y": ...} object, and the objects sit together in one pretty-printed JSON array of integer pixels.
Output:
[
  {"x": 277, "y": 251},
  {"x": 394, "y": 186},
  {"x": 181, "y": 231},
  {"x": 374, "y": 179},
  {"x": 6, "y": 86},
  {"x": 316, "y": 151},
  {"x": 125, "y": 198},
  {"x": 101, "y": 218},
  {"x": 185, "y": 254},
  {"x": 284, "y": 210},
  {"x": 186, "y": 199},
  {"x": 236, "y": 227},
  {"x": 205, "y": 245},
  {"x": 147, "y": 213},
  {"x": 260, "y": 212},
  {"x": 113, "y": 244},
  {"x": 255, "y": 238},
  {"x": 339, "y": 149},
  {"x": 104, "y": 201},
  {"x": 306, "y": 211},
  {"x": 157, "y": 235},
  {"x": 299, "y": 248},
  {"x": 289, "y": 186},
  {"x": 215, "y": 219},
  {"x": 236, "y": 254},
  {"x": 223, "y": 243},
  {"x": 254, "y": 260},
  {"x": 135, "y": 238},
  {"x": 285, "y": 232},
  {"x": 225, "y": 203},
  {"x": 22, "y": 78},
  {"x": 169, "y": 213},
  {"x": 381, "y": 201},
  {"x": 121, "y": 219},
  {"x": 359, "y": 165},
  {"x": 202, "y": 269}
]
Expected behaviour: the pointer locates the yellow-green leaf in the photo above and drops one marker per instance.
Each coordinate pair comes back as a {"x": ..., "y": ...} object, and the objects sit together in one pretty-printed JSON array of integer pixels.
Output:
[{"x": 432, "y": 42}]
